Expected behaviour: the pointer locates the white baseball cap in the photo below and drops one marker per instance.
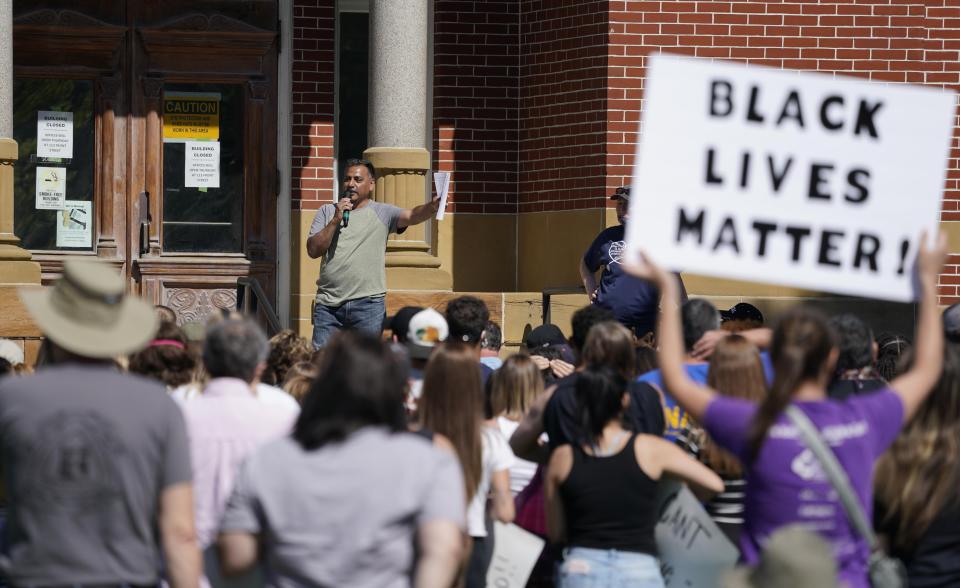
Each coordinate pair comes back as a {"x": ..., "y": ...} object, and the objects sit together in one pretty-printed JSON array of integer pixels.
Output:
[
  {"x": 11, "y": 352},
  {"x": 426, "y": 329}
]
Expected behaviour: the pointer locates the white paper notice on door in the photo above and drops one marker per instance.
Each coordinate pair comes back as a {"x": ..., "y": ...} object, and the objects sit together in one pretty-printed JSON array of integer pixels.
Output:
[
  {"x": 54, "y": 134},
  {"x": 74, "y": 224},
  {"x": 201, "y": 163},
  {"x": 51, "y": 187}
]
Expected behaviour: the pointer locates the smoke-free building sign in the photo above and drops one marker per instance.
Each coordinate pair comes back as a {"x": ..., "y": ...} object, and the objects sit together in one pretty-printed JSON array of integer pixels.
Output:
[{"x": 51, "y": 187}]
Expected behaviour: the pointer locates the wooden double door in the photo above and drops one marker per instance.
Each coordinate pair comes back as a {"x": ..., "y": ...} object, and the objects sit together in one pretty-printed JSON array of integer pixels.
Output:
[{"x": 147, "y": 138}]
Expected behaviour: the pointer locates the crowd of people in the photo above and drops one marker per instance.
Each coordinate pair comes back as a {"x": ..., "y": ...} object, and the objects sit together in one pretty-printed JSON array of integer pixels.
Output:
[
  {"x": 385, "y": 461},
  {"x": 138, "y": 450}
]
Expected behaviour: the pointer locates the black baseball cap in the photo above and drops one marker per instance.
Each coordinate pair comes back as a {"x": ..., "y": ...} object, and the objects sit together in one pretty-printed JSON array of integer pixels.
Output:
[
  {"x": 544, "y": 336},
  {"x": 623, "y": 192},
  {"x": 743, "y": 311},
  {"x": 400, "y": 322},
  {"x": 951, "y": 323}
]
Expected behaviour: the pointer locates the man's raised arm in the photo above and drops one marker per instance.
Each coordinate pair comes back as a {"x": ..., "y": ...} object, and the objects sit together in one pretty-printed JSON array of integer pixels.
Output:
[{"x": 418, "y": 214}]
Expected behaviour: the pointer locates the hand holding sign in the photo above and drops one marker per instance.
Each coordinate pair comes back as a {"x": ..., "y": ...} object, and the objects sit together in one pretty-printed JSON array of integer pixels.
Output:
[{"x": 931, "y": 259}]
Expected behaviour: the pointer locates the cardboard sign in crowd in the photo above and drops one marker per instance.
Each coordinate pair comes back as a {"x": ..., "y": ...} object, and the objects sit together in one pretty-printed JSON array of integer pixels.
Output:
[{"x": 799, "y": 179}]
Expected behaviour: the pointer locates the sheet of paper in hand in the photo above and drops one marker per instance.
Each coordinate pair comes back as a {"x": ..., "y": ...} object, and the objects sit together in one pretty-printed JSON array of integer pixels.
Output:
[{"x": 799, "y": 179}]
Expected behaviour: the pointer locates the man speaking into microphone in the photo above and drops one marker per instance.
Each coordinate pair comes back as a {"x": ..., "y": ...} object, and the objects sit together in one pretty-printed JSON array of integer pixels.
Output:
[{"x": 351, "y": 237}]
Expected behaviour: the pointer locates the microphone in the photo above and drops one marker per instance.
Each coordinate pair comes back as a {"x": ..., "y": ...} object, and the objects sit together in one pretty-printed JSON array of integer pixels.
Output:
[{"x": 346, "y": 213}]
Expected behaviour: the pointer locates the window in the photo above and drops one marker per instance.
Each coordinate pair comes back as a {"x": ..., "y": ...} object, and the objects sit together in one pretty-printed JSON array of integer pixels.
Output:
[
  {"x": 203, "y": 198},
  {"x": 352, "y": 92},
  {"x": 54, "y": 116}
]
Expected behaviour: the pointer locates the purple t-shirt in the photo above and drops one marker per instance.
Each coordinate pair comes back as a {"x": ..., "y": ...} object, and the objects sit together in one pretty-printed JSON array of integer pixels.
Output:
[{"x": 785, "y": 483}]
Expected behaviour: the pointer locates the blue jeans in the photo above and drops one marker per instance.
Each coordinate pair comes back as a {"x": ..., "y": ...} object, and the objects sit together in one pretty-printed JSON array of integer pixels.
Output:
[
  {"x": 595, "y": 568},
  {"x": 360, "y": 314}
]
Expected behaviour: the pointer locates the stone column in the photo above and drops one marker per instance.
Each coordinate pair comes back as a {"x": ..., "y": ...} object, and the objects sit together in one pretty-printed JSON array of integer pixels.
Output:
[
  {"x": 16, "y": 267},
  {"x": 397, "y": 123},
  {"x": 10, "y": 252}
]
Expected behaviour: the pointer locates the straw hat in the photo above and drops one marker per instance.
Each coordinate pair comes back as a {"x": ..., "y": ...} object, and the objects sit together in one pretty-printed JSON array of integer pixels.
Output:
[
  {"x": 793, "y": 557},
  {"x": 87, "y": 313}
]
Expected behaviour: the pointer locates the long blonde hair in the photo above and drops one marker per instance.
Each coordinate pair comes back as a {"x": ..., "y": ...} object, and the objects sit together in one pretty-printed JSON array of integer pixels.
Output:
[
  {"x": 919, "y": 475},
  {"x": 515, "y": 387},
  {"x": 736, "y": 371},
  {"x": 452, "y": 404}
]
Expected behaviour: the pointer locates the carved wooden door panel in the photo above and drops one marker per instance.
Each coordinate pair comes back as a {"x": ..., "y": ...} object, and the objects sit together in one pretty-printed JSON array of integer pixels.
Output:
[{"x": 174, "y": 141}]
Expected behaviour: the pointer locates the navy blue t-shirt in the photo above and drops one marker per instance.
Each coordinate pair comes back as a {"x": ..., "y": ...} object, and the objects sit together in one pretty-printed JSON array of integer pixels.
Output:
[{"x": 634, "y": 302}]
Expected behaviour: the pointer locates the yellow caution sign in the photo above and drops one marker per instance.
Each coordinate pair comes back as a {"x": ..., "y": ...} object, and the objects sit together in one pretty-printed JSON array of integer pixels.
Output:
[{"x": 191, "y": 116}]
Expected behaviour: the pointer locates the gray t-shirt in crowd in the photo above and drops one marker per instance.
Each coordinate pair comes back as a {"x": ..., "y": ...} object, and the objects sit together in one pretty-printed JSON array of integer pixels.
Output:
[
  {"x": 86, "y": 452},
  {"x": 345, "y": 514},
  {"x": 353, "y": 266}
]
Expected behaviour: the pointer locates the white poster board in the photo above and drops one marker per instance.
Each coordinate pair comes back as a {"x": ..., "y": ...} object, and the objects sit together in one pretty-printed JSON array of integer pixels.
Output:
[
  {"x": 51, "y": 187},
  {"x": 74, "y": 224},
  {"x": 201, "y": 162},
  {"x": 55, "y": 134},
  {"x": 806, "y": 180},
  {"x": 694, "y": 552},
  {"x": 515, "y": 552},
  {"x": 441, "y": 181}
]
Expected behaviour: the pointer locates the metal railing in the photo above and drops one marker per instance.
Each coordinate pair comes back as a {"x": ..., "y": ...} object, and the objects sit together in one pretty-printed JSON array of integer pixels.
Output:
[{"x": 258, "y": 300}]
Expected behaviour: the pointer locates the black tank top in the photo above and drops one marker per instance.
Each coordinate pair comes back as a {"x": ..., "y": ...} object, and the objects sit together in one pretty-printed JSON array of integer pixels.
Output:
[{"x": 609, "y": 502}]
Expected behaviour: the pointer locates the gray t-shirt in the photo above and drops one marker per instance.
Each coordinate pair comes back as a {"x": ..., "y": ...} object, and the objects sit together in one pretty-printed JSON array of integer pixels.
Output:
[
  {"x": 86, "y": 452},
  {"x": 345, "y": 514},
  {"x": 353, "y": 266}
]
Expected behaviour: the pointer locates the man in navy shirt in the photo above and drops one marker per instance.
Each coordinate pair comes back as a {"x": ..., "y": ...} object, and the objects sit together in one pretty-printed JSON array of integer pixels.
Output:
[{"x": 634, "y": 302}]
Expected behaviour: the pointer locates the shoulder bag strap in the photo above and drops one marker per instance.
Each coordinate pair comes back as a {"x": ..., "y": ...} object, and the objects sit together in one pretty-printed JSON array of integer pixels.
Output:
[{"x": 835, "y": 473}]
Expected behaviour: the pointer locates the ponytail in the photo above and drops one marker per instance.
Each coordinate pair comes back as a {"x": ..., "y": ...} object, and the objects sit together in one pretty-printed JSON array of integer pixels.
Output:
[
  {"x": 599, "y": 392},
  {"x": 801, "y": 346}
]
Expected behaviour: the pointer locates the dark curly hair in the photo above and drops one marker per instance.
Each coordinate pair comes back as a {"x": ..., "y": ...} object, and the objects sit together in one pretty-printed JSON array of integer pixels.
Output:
[
  {"x": 286, "y": 349},
  {"x": 168, "y": 363}
]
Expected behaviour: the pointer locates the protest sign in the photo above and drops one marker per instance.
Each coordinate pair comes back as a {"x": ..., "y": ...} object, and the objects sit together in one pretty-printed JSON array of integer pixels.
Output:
[
  {"x": 799, "y": 179},
  {"x": 191, "y": 116},
  {"x": 515, "y": 552},
  {"x": 694, "y": 552},
  {"x": 201, "y": 163},
  {"x": 74, "y": 224},
  {"x": 54, "y": 134},
  {"x": 441, "y": 180},
  {"x": 51, "y": 187}
]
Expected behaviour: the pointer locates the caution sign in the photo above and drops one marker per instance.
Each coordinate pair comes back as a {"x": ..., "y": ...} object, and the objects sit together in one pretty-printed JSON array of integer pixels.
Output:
[{"x": 191, "y": 116}]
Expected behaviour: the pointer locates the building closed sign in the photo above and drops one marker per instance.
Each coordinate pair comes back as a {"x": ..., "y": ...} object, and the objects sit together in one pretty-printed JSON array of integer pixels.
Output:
[{"x": 191, "y": 116}]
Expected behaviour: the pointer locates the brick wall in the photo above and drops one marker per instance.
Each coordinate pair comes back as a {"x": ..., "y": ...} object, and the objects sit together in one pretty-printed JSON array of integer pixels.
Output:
[
  {"x": 536, "y": 103},
  {"x": 475, "y": 102},
  {"x": 912, "y": 42},
  {"x": 563, "y": 104},
  {"x": 313, "y": 100}
]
